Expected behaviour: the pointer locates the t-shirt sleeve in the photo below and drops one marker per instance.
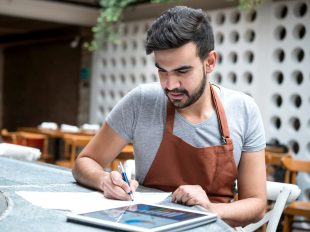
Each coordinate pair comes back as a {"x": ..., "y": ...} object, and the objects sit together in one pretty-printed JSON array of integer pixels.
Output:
[
  {"x": 122, "y": 118},
  {"x": 254, "y": 138}
]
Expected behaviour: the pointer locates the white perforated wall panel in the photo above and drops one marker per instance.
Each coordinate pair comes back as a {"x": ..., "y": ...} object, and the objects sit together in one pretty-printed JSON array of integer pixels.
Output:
[
  {"x": 119, "y": 68},
  {"x": 264, "y": 53}
]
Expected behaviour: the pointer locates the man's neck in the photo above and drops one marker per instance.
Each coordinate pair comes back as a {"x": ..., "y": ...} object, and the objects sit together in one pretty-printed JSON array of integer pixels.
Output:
[{"x": 201, "y": 110}]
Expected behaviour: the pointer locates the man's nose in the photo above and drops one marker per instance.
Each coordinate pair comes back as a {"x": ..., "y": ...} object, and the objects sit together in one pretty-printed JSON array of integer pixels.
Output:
[{"x": 172, "y": 82}]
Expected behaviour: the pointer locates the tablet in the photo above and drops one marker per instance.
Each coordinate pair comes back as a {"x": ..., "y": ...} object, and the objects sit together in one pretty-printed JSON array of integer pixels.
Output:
[{"x": 144, "y": 217}]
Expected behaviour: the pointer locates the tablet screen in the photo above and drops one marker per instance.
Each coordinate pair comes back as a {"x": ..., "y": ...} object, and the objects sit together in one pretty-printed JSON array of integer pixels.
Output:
[{"x": 145, "y": 216}]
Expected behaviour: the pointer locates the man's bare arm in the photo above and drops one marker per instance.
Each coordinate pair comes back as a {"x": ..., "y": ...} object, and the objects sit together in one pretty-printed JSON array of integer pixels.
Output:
[{"x": 98, "y": 153}]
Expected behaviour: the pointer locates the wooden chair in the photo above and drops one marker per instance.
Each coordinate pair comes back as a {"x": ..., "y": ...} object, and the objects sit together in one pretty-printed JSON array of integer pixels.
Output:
[
  {"x": 296, "y": 208},
  {"x": 126, "y": 154},
  {"x": 72, "y": 142},
  {"x": 8, "y": 137},
  {"x": 35, "y": 140},
  {"x": 281, "y": 194},
  {"x": 29, "y": 140},
  {"x": 274, "y": 166}
]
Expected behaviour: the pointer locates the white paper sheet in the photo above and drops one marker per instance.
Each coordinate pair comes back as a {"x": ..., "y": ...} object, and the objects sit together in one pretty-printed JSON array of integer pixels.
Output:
[{"x": 81, "y": 202}]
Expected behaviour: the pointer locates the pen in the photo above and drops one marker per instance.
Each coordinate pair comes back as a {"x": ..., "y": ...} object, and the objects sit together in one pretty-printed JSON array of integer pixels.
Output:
[{"x": 122, "y": 170}]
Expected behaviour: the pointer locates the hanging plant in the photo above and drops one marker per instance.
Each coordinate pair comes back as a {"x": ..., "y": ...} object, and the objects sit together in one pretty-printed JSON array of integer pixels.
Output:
[
  {"x": 111, "y": 13},
  {"x": 249, "y": 4}
]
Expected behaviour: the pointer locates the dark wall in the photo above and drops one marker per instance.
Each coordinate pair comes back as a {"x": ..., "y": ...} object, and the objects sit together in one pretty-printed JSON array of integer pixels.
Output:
[{"x": 40, "y": 84}]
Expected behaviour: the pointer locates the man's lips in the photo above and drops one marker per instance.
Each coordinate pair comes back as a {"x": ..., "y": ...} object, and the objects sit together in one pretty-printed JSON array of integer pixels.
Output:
[{"x": 175, "y": 96}]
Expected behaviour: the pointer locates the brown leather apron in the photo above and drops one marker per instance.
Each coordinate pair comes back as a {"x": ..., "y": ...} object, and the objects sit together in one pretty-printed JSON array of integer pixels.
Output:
[{"x": 179, "y": 163}]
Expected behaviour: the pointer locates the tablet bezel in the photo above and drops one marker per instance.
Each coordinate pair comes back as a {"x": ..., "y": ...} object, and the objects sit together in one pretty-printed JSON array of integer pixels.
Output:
[{"x": 190, "y": 223}]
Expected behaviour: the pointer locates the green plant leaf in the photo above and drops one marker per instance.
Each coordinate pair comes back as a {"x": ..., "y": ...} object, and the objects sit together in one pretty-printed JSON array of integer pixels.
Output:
[{"x": 111, "y": 14}]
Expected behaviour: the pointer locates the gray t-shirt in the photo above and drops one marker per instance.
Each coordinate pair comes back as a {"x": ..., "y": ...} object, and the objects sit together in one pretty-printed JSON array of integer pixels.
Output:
[{"x": 140, "y": 118}]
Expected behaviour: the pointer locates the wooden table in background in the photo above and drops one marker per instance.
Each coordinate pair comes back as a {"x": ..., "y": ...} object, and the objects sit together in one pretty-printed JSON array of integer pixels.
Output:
[
  {"x": 64, "y": 136},
  {"x": 56, "y": 135}
]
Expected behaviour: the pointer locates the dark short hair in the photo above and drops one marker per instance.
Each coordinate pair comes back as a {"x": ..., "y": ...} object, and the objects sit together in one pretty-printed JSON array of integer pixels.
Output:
[{"x": 178, "y": 26}]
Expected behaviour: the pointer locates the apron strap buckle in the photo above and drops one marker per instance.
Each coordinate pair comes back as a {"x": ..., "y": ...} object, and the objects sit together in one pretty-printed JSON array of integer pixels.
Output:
[{"x": 224, "y": 140}]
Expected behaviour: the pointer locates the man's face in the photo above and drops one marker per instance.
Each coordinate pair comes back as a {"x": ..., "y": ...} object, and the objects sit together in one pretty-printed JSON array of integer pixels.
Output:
[{"x": 182, "y": 74}]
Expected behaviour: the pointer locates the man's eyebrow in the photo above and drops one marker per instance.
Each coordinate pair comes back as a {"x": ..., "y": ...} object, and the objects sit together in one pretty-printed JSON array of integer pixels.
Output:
[
  {"x": 185, "y": 67},
  {"x": 157, "y": 66}
]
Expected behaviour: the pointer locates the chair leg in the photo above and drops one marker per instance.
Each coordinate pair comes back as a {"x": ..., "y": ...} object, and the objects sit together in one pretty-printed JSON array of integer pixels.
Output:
[
  {"x": 73, "y": 154},
  {"x": 264, "y": 228},
  {"x": 287, "y": 223},
  {"x": 67, "y": 152}
]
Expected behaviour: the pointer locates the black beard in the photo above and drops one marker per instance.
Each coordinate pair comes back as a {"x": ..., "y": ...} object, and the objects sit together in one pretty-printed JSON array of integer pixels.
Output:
[{"x": 191, "y": 99}]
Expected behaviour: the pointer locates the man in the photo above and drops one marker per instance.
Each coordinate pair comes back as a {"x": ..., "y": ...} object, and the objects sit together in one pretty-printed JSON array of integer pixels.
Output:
[{"x": 189, "y": 136}]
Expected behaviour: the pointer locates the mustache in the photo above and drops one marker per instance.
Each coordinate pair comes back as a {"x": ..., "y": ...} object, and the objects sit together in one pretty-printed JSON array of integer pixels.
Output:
[{"x": 183, "y": 91}]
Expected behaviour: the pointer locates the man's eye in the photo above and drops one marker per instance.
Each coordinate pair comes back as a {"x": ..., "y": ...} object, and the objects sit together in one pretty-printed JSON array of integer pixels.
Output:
[{"x": 182, "y": 71}]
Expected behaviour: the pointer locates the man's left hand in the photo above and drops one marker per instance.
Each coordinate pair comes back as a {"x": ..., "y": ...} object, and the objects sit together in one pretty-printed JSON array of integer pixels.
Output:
[{"x": 190, "y": 195}]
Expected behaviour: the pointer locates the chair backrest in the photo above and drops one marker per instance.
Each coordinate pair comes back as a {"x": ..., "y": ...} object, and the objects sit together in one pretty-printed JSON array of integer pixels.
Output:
[
  {"x": 127, "y": 153},
  {"x": 293, "y": 166},
  {"x": 71, "y": 143},
  {"x": 8, "y": 137},
  {"x": 281, "y": 194},
  {"x": 78, "y": 141},
  {"x": 33, "y": 140},
  {"x": 294, "y": 213},
  {"x": 274, "y": 166}
]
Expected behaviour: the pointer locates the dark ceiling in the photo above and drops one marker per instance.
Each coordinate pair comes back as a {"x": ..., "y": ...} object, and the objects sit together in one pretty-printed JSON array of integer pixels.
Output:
[
  {"x": 90, "y": 3},
  {"x": 16, "y": 29},
  {"x": 14, "y": 25},
  {"x": 13, "y": 28}
]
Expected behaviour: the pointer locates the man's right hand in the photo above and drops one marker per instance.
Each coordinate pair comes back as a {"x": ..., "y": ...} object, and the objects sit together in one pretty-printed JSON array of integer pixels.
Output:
[{"x": 114, "y": 187}]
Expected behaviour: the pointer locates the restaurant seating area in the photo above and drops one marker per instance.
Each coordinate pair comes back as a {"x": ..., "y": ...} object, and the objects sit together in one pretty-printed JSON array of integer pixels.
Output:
[
  {"x": 58, "y": 146},
  {"x": 297, "y": 212},
  {"x": 282, "y": 167},
  {"x": 71, "y": 144}
]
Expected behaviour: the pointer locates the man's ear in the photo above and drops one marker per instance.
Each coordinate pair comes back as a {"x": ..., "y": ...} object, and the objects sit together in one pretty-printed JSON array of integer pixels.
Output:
[{"x": 210, "y": 61}]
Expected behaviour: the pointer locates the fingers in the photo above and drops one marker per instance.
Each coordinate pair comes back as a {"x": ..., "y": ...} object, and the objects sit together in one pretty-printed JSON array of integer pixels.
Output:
[
  {"x": 134, "y": 185},
  {"x": 180, "y": 196},
  {"x": 116, "y": 188},
  {"x": 189, "y": 195},
  {"x": 117, "y": 180},
  {"x": 191, "y": 201}
]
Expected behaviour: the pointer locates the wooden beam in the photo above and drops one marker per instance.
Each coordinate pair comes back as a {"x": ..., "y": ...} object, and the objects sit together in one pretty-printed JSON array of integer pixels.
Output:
[
  {"x": 50, "y": 11},
  {"x": 67, "y": 33},
  {"x": 149, "y": 10}
]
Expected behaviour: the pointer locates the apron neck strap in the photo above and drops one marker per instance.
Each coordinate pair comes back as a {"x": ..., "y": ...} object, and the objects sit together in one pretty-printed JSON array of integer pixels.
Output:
[
  {"x": 220, "y": 113},
  {"x": 170, "y": 117},
  {"x": 219, "y": 109}
]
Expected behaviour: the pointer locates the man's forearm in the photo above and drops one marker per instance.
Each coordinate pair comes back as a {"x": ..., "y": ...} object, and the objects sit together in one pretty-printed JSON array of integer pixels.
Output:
[
  {"x": 89, "y": 173},
  {"x": 239, "y": 213}
]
